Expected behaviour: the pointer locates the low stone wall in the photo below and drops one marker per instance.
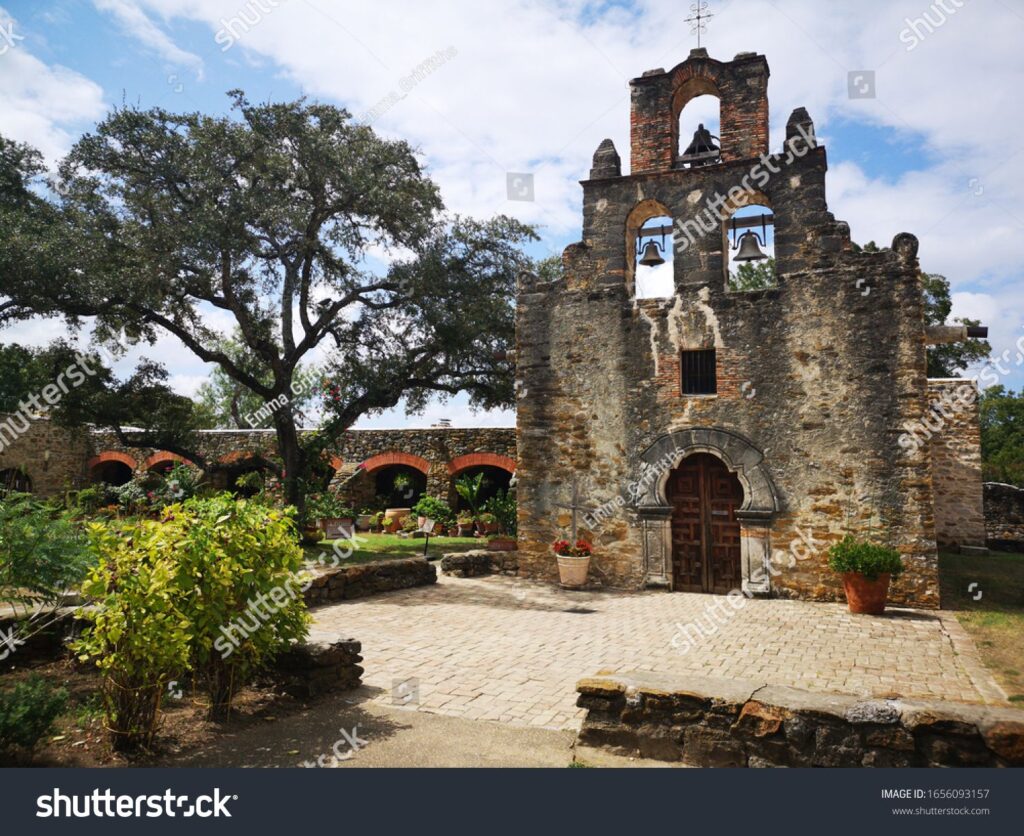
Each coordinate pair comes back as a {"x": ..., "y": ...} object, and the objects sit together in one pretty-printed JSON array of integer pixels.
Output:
[
  {"x": 719, "y": 722},
  {"x": 479, "y": 562},
  {"x": 1004, "y": 517},
  {"x": 319, "y": 667},
  {"x": 365, "y": 579}
]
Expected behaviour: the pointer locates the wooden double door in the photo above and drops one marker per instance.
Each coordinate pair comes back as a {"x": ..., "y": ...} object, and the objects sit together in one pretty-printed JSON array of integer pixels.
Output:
[{"x": 705, "y": 497}]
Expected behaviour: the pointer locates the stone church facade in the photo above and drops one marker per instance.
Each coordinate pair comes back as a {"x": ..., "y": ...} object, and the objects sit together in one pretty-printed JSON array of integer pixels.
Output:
[{"x": 801, "y": 437}]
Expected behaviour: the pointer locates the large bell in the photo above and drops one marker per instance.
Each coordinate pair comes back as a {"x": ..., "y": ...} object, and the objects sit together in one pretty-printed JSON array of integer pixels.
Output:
[
  {"x": 652, "y": 256},
  {"x": 702, "y": 142},
  {"x": 749, "y": 248}
]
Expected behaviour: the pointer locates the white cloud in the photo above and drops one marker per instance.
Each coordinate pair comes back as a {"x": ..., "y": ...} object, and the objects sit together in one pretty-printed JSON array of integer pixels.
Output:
[
  {"x": 137, "y": 25},
  {"x": 41, "y": 104}
]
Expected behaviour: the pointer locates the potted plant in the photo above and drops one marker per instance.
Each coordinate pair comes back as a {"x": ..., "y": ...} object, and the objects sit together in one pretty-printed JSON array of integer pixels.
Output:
[
  {"x": 573, "y": 562},
  {"x": 487, "y": 523},
  {"x": 431, "y": 508},
  {"x": 867, "y": 569},
  {"x": 503, "y": 507},
  {"x": 335, "y": 517},
  {"x": 364, "y": 519},
  {"x": 465, "y": 523},
  {"x": 377, "y": 522}
]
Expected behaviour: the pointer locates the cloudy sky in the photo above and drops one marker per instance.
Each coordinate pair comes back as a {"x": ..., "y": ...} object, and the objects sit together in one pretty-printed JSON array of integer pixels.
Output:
[{"x": 486, "y": 90}]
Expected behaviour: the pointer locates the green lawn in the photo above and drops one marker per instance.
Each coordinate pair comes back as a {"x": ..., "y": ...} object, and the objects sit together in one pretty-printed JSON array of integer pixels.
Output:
[
  {"x": 996, "y": 620},
  {"x": 391, "y": 546}
]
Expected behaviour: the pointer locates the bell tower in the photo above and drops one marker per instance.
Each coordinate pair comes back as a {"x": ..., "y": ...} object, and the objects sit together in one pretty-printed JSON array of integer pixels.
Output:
[{"x": 657, "y": 98}]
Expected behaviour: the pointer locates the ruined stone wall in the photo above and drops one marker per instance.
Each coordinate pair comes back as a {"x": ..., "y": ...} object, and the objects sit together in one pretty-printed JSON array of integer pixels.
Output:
[
  {"x": 1004, "y": 516},
  {"x": 818, "y": 374},
  {"x": 956, "y": 463},
  {"x": 52, "y": 457},
  {"x": 436, "y": 451}
]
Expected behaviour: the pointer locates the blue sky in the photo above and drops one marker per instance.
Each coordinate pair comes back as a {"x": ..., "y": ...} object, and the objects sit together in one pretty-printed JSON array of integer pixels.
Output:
[{"x": 533, "y": 86}]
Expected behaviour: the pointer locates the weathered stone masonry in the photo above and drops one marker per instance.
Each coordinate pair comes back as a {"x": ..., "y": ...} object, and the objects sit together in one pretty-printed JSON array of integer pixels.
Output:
[{"x": 817, "y": 376}]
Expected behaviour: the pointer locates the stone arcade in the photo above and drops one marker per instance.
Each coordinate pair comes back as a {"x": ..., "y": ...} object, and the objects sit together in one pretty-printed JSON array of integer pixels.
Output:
[{"x": 798, "y": 434}]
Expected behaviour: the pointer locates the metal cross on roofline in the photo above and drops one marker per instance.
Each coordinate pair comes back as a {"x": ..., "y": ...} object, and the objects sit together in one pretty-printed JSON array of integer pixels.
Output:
[
  {"x": 697, "y": 21},
  {"x": 575, "y": 506}
]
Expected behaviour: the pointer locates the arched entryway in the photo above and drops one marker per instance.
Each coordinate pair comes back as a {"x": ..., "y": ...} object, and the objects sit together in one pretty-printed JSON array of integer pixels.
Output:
[
  {"x": 705, "y": 496},
  {"x": 14, "y": 480},
  {"x": 664, "y": 482},
  {"x": 112, "y": 468}
]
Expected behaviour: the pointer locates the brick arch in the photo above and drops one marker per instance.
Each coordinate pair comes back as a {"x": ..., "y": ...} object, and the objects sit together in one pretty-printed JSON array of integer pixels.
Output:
[
  {"x": 337, "y": 463},
  {"x": 163, "y": 456},
  {"x": 241, "y": 456},
  {"x": 395, "y": 457},
  {"x": 639, "y": 215},
  {"x": 112, "y": 456},
  {"x": 460, "y": 463}
]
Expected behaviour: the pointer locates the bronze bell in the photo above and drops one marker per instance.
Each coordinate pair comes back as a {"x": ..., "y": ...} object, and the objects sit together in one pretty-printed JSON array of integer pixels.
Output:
[
  {"x": 652, "y": 256},
  {"x": 702, "y": 142},
  {"x": 749, "y": 247}
]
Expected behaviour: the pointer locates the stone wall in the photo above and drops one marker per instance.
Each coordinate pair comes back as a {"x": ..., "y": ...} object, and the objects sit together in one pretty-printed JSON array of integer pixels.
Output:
[
  {"x": 816, "y": 375},
  {"x": 1004, "y": 517},
  {"x": 478, "y": 562},
  {"x": 440, "y": 453},
  {"x": 308, "y": 669},
  {"x": 956, "y": 462},
  {"x": 362, "y": 580},
  {"x": 53, "y": 458},
  {"x": 720, "y": 722}
]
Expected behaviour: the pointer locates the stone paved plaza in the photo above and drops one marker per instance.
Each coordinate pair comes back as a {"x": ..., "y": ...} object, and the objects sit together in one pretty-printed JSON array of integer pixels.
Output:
[{"x": 511, "y": 650}]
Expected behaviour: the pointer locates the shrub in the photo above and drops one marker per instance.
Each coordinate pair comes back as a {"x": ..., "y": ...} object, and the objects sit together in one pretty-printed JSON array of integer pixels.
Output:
[
  {"x": 139, "y": 636},
  {"x": 866, "y": 558},
  {"x": 327, "y": 505},
  {"x": 433, "y": 508},
  {"x": 27, "y": 712},
  {"x": 503, "y": 508},
  {"x": 44, "y": 551},
  {"x": 210, "y": 588},
  {"x": 237, "y": 565}
]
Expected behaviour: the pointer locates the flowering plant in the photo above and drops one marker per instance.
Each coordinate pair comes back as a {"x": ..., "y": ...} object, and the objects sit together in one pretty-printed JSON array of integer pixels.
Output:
[{"x": 564, "y": 548}]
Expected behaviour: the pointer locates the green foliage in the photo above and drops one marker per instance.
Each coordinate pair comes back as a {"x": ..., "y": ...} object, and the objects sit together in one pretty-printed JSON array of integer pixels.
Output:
[
  {"x": 44, "y": 552},
  {"x": 951, "y": 359},
  {"x": 27, "y": 712},
  {"x": 284, "y": 201},
  {"x": 1002, "y": 435},
  {"x": 327, "y": 505},
  {"x": 502, "y": 507},
  {"x": 235, "y": 561},
  {"x": 866, "y": 558},
  {"x": 469, "y": 488},
  {"x": 433, "y": 508},
  {"x": 171, "y": 595},
  {"x": 140, "y": 637},
  {"x": 754, "y": 275}
]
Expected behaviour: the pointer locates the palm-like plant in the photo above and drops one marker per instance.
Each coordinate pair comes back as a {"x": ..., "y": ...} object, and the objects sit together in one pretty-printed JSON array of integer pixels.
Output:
[{"x": 469, "y": 488}]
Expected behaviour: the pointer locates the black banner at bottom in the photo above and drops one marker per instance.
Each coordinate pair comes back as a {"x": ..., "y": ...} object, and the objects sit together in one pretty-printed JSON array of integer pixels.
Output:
[{"x": 455, "y": 800}]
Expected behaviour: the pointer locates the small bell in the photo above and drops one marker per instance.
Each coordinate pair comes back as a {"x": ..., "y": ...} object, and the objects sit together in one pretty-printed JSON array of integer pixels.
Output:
[
  {"x": 652, "y": 256},
  {"x": 749, "y": 247},
  {"x": 702, "y": 142}
]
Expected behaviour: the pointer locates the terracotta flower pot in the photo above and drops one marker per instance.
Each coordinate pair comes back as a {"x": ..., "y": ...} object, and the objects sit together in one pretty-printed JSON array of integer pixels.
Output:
[
  {"x": 502, "y": 544},
  {"x": 866, "y": 596},
  {"x": 572, "y": 571}
]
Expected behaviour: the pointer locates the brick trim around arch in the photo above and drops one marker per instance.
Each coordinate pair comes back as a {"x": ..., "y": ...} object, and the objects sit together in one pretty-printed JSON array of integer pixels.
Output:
[
  {"x": 112, "y": 456},
  {"x": 460, "y": 463},
  {"x": 160, "y": 458},
  {"x": 395, "y": 457}
]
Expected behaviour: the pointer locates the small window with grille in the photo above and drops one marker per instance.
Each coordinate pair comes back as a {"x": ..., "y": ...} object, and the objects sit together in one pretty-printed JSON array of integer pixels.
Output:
[{"x": 698, "y": 372}]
